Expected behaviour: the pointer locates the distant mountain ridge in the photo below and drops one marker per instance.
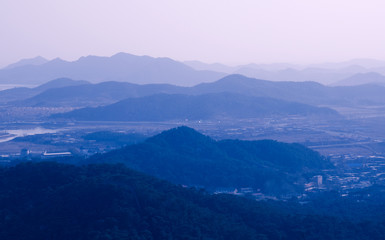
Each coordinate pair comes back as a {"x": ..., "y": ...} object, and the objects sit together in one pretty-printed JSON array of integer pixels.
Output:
[
  {"x": 119, "y": 67},
  {"x": 325, "y": 73},
  {"x": 21, "y": 93},
  {"x": 363, "y": 78},
  {"x": 144, "y": 70},
  {"x": 303, "y": 92},
  {"x": 96, "y": 94},
  {"x": 166, "y": 107},
  {"x": 29, "y": 61},
  {"x": 85, "y": 95}
]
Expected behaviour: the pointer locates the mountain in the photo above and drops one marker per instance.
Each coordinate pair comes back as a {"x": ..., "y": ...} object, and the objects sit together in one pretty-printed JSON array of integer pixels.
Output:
[
  {"x": 327, "y": 73},
  {"x": 164, "y": 107},
  {"x": 184, "y": 156},
  {"x": 304, "y": 92},
  {"x": 320, "y": 75},
  {"x": 57, "y": 201},
  {"x": 96, "y": 94},
  {"x": 217, "y": 67},
  {"x": 119, "y": 67},
  {"x": 21, "y": 93},
  {"x": 363, "y": 78},
  {"x": 362, "y": 62},
  {"x": 197, "y": 65},
  {"x": 60, "y": 83},
  {"x": 30, "y": 61}
]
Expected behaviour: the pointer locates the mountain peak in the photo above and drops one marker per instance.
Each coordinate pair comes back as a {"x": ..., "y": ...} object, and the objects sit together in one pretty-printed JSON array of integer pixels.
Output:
[
  {"x": 28, "y": 61},
  {"x": 61, "y": 82},
  {"x": 57, "y": 60},
  {"x": 181, "y": 136},
  {"x": 122, "y": 54},
  {"x": 119, "y": 67},
  {"x": 362, "y": 78}
]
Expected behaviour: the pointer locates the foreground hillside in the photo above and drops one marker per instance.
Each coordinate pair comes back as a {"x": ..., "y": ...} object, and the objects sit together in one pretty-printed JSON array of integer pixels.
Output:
[
  {"x": 55, "y": 201},
  {"x": 184, "y": 156}
]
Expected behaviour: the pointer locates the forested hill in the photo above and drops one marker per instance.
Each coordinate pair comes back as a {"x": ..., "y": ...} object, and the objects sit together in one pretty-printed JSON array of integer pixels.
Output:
[
  {"x": 184, "y": 156},
  {"x": 54, "y": 201}
]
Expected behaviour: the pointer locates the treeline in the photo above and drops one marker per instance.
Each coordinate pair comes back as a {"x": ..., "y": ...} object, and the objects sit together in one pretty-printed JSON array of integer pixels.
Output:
[
  {"x": 49, "y": 200},
  {"x": 185, "y": 156}
]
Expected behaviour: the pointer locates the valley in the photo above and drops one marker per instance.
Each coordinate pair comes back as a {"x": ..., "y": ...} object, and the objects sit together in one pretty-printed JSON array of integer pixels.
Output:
[{"x": 192, "y": 120}]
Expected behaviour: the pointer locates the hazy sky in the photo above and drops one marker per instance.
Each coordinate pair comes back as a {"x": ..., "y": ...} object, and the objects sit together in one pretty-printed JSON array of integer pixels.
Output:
[{"x": 238, "y": 31}]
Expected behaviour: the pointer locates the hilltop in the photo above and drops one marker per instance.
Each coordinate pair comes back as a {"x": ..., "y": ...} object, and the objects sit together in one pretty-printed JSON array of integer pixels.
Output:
[{"x": 185, "y": 156}]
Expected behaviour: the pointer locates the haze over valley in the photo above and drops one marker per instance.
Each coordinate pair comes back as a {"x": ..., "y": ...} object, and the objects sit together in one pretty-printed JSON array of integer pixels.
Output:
[
  {"x": 228, "y": 133},
  {"x": 153, "y": 120}
]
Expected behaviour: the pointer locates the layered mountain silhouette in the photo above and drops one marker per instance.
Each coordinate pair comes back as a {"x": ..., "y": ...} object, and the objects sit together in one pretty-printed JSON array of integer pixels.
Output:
[
  {"x": 326, "y": 73},
  {"x": 185, "y": 156},
  {"x": 353, "y": 65},
  {"x": 96, "y": 94},
  {"x": 363, "y": 78},
  {"x": 29, "y": 61},
  {"x": 303, "y": 92},
  {"x": 20, "y": 93},
  {"x": 324, "y": 76},
  {"x": 164, "y": 107},
  {"x": 120, "y": 67},
  {"x": 144, "y": 69}
]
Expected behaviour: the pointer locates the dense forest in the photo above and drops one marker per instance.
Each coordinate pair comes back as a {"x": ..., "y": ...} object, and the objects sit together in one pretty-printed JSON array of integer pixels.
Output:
[
  {"x": 49, "y": 200},
  {"x": 185, "y": 156}
]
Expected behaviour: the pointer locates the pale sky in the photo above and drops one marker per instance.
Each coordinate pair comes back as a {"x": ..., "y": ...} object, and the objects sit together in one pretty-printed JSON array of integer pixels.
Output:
[{"x": 231, "y": 32}]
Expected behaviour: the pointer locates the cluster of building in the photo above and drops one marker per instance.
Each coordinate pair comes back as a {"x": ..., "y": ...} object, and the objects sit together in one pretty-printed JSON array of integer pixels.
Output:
[{"x": 26, "y": 154}]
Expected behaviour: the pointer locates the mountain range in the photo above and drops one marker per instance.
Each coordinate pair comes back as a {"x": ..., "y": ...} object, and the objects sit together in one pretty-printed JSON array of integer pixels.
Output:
[
  {"x": 21, "y": 93},
  {"x": 144, "y": 70},
  {"x": 360, "y": 63},
  {"x": 304, "y": 92},
  {"x": 325, "y": 73},
  {"x": 94, "y": 94},
  {"x": 110, "y": 92},
  {"x": 363, "y": 78},
  {"x": 213, "y": 106},
  {"x": 119, "y": 67},
  {"x": 25, "y": 62}
]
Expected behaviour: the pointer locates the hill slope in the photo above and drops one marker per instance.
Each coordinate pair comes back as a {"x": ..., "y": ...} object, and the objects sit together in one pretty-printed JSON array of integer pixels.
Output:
[
  {"x": 61, "y": 202},
  {"x": 185, "y": 156}
]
